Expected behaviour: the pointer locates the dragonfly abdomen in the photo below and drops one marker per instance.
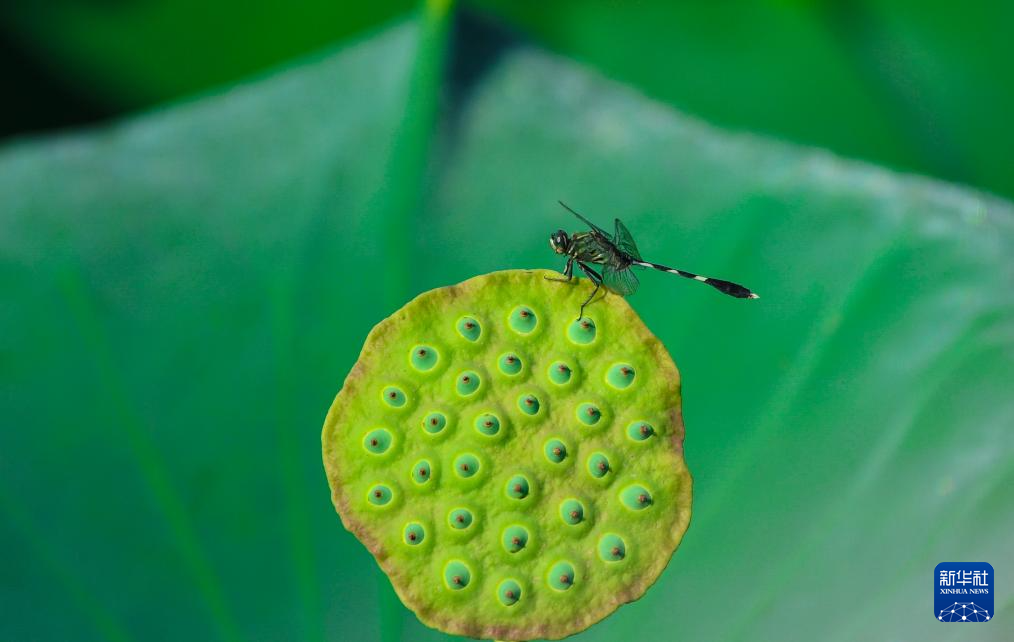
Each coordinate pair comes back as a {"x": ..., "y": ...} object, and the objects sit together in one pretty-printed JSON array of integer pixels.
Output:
[{"x": 725, "y": 287}]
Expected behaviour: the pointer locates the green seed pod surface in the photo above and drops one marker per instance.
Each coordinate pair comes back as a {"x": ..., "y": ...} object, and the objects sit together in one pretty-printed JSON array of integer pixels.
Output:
[{"x": 517, "y": 473}]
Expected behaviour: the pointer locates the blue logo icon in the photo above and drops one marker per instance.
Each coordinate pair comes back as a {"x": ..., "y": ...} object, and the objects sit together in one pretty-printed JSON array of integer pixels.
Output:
[{"x": 964, "y": 592}]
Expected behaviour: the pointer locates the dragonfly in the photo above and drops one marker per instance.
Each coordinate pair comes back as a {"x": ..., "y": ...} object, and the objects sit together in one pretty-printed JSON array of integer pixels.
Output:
[{"x": 617, "y": 254}]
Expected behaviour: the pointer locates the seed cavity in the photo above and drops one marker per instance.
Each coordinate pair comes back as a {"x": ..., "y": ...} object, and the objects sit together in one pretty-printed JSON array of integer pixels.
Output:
[
  {"x": 612, "y": 548},
  {"x": 509, "y": 363},
  {"x": 459, "y": 519},
  {"x": 588, "y": 414},
  {"x": 414, "y": 534},
  {"x": 620, "y": 376},
  {"x": 640, "y": 431},
  {"x": 467, "y": 383},
  {"x": 469, "y": 328},
  {"x": 518, "y": 487},
  {"x": 423, "y": 358},
  {"x": 560, "y": 373},
  {"x": 514, "y": 538},
  {"x": 457, "y": 575},
  {"x": 529, "y": 404},
  {"x": 378, "y": 442},
  {"x": 555, "y": 451},
  {"x": 636, "y": 497},
  {"x": 434, "y": 422},
  {"x": 422, "y": 472},
  {"x": 393, "y": 396},
  {"x": 466, "y": 465},
  {"x": 582, "y": 332},
  {"x": 508, "y": 592},
  {"x": 487, "y": 424},
  {"x": 561, "y": 576},
  {"x": 598, "y": 465},
  {"x": 380, "y": 495},
  {"x": 571, "y": 512},
  {"x": 523, "y": 320}
]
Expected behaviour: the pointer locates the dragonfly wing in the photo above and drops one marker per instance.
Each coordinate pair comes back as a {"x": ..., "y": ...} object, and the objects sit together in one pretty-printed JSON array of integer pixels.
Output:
[
  {"x": 586, "y": 221},
  {"x": 623, "y": 281},
  {"x": 624, "y": 241}
]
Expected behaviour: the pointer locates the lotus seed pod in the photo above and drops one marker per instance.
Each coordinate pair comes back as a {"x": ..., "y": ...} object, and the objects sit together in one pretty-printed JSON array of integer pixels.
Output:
[{"x": 518, "y": 473}]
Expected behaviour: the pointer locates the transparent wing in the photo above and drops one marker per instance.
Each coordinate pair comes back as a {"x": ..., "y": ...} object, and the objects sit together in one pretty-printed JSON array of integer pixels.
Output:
[
  {"x": 586, "y": 221},
  {"x": 623, "y": 282},
  {"x": 624, "y": 241}
]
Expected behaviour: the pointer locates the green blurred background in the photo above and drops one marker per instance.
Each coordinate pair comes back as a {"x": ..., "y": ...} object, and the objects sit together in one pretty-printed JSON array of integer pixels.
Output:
[
  {"x": 917, "y": 85},
  {"x": 205, "y": 207}
]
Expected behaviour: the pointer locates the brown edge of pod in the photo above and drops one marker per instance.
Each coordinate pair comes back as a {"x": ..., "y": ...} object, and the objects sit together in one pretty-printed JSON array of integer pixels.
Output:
[{"x": 438, "y": 618}]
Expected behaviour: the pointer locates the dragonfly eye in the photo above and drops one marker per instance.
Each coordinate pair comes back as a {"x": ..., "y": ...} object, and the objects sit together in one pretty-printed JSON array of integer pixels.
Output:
[{"x": 558, "y": 241}]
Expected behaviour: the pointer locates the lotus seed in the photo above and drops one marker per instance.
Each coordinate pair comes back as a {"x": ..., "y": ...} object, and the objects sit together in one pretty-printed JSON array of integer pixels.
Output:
[
  {"x": 572, "y": 512},
  {"x": 529, "y": 404},
  {"x": 487, "y": 424},
  {"x": 380, "y": 495},
  {"x": 636, "y": 497},
  {"x": 393, "y": 396},
  {"x": 468, "y": 383},
  {"x": 612, "y": 548},
  {"x": 598, "y": 465},
  {"x": 523, "y": 320},
  {"x": 509, "y": 364},
  {"x": 460, "y": 518},
  {"x": 423, "y": 358},
  {"x": 414, "y": 533},
  {"x": 377, "y": 441},
  {"x": 556, "y": 451},
  {"x": 509, "y": 592},
  {"x": 561, "y": 576},
  {"x": 518, "y": 487},
  {"x": 588, "y": 414},
  {"x": 422, "y": 472},
  {"x": 515, "y": 538},
  {"x": 469, "y": 328},
  {"x": 582, "y": 332},
  {"x": 466, "y": 465},
  {"x": 640, "y": 430},
  {"x": 434, "y": 422},
  {"x": 457, "y": 575},
  {"x": 620, "y": 376},
  {"x": 560, "y": 373}
]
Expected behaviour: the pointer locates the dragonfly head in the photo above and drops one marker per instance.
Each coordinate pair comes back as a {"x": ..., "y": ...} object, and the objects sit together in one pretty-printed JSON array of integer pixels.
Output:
[{"x": 559, "y": 241}]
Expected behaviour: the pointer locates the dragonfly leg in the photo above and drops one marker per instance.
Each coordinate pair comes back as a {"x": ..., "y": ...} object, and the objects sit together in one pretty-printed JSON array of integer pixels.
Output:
[
  {"x": 595, "y": 278},
  {"x": 568, "y": 272}
]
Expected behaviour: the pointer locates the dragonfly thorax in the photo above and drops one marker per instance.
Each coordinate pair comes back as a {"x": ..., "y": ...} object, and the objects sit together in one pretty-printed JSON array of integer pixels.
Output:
[{"x": 589, "y": 247}]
